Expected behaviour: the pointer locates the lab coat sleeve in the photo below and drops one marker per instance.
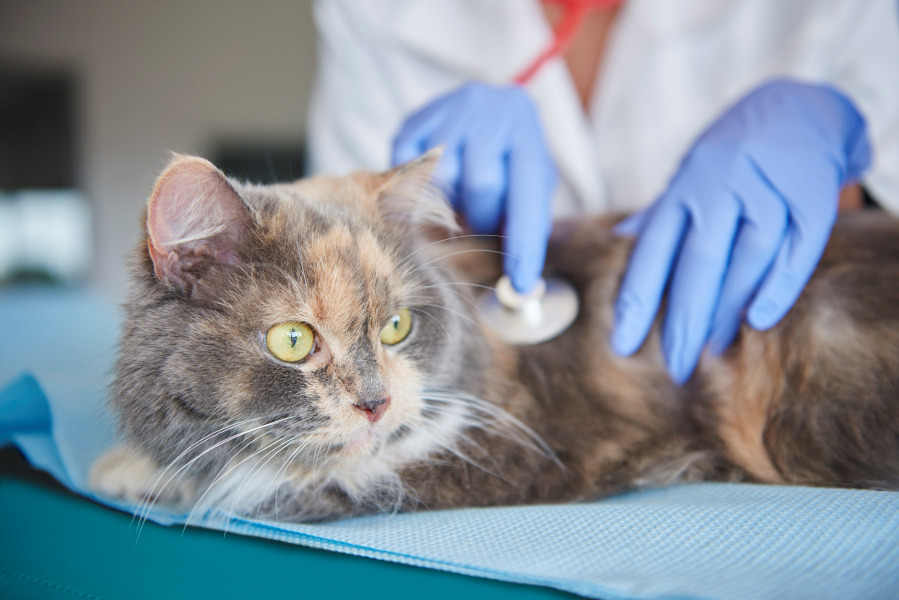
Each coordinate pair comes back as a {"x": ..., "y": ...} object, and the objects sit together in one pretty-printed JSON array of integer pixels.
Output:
[
  {"x": 865, "y": 66},
  {"x": 353, "y": 110}
]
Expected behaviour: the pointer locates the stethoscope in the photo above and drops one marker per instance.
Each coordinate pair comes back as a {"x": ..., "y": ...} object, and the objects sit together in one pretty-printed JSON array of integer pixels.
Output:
[
  {"x": 574, "y": 12},
  {"x": 552, "y": 306}
]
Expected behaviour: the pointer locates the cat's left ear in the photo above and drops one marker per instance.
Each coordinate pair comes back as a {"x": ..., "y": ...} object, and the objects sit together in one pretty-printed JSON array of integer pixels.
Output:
[{"x": 409, "y": 195}]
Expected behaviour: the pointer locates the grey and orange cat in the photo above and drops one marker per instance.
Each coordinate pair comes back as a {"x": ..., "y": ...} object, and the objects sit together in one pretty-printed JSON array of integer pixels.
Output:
[{"x": 310, "y": 351}]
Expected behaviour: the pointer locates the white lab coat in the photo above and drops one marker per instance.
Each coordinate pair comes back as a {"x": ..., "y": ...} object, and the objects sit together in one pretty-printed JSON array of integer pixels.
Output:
[{"x": 671, "y": 67}]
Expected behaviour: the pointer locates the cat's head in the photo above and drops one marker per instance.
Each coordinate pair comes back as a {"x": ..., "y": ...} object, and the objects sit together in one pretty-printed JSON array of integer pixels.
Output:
[{"x": 310, "y": 314}]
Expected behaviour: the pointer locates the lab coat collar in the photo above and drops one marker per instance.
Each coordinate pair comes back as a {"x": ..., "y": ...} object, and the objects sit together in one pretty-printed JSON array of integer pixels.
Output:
[{"x": 507, "y": 35}]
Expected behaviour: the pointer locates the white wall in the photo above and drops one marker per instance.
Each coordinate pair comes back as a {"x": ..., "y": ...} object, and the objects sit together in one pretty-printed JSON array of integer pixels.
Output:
[{"x": 163, "y": 75}]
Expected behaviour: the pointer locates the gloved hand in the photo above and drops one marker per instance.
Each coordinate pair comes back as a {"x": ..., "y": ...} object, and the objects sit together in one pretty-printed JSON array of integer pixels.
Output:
[
  {"x": 497, "y": 165},
  {"x": 743, "y": 222}
]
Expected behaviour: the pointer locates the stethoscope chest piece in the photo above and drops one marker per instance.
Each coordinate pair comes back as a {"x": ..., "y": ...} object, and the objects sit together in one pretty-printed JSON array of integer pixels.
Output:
[{"x": 531, "y": 318}]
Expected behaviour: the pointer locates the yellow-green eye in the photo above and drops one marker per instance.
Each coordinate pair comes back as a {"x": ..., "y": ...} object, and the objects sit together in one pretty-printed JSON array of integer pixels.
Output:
[
  {"x": 290, "y": 342},
  {"x": 397, "y": 328}
]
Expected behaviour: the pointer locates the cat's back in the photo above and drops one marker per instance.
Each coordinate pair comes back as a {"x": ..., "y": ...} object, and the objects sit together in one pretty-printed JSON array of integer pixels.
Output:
[
  {"x": 864, "y": 234},
  {"x": 859, "y": 272},
  {"x": 815, "y": 399}
]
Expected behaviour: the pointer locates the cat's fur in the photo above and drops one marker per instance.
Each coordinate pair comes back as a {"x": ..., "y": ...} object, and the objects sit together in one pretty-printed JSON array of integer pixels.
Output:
[{"x": 212, "y": 418}]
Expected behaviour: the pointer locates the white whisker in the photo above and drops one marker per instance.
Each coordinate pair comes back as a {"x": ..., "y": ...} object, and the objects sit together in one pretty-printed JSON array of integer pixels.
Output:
[
  {"x": 283, "y": 471},
  {"x": 155, "y": 494},
  {"x": 455, "y": 450},
  {"x": 139, "y": 510},
  {"x": 227, "y": 470},
  {"x": 276, "y": 447},
  {"x": 503, "y": 423},
  {"x": 436, "y": 320},
  {"x": 445, "y": 240},
  {"x": 457, "y": 292},
  {"x": 458, "y": 252},
  {"x": 417, "y": 300}
]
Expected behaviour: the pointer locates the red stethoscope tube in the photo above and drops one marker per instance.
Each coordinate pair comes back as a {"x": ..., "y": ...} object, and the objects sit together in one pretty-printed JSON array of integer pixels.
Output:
[{"x": 575, "y": 11}]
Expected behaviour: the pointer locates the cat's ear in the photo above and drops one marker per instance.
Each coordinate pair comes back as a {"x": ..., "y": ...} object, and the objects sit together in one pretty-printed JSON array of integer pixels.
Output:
[
  {"x": 196, "y": 223},
  {"x": 410, "y": 195}
]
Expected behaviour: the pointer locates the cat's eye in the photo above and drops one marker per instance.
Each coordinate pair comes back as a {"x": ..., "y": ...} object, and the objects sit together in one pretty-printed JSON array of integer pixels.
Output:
[
  {"x": 397, "y": 328},
  {"x": 290, "y": 342}
]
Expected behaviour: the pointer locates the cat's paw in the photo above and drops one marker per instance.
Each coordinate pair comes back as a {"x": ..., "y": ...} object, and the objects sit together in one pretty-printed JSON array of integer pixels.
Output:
[{"x": 128, "y": 474}]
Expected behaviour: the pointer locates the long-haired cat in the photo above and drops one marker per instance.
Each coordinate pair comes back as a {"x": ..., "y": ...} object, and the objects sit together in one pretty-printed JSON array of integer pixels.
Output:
[{"x": 309, "y": 351}]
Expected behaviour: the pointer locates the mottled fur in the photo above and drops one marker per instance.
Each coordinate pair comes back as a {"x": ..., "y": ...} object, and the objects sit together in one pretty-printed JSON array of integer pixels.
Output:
[{"x": 213, "y": 419}]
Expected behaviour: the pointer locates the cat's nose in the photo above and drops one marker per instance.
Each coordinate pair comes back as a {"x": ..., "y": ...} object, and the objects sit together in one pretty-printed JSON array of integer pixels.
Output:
[{"x": 373, "y": 408}]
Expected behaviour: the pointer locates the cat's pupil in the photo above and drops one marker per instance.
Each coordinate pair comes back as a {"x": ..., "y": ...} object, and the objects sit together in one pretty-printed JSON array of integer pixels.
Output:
[
  {"x": 294, "y": 337},
  {"x": 396, "y": 321}
]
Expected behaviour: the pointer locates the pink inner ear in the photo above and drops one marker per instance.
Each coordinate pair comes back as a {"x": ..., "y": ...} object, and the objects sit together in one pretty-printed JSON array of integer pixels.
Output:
[{"x": 193, "y": 210}]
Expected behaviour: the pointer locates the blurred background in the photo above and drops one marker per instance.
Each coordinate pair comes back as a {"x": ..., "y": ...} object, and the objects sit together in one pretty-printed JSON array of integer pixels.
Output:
[{"x": 95, "y": 94}]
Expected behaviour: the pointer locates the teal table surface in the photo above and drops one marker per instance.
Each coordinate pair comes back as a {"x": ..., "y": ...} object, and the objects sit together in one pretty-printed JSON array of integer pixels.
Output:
[{"x": 56, "y": 545}]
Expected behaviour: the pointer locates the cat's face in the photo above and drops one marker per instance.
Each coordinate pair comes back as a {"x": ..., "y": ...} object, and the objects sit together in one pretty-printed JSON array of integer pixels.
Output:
[{"x": 308, "y": 316}]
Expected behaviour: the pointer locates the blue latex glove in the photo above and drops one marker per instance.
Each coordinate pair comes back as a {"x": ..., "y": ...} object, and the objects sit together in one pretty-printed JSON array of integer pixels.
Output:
[
  {"x": 497, "y": 164},
  {"x": 743, "y": 222}
]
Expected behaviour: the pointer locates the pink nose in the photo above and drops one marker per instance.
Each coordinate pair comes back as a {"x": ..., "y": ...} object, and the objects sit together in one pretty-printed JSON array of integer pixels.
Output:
[{"x": 374, "y": 408}]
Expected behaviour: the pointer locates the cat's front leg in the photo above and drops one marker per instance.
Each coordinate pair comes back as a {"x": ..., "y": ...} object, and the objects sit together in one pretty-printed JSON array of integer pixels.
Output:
[
  {"x": 316, "y": 504},
  {"x": 129, "y": 474}
]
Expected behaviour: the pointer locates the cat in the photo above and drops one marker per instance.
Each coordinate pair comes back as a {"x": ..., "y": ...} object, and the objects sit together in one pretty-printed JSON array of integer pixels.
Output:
[{"x": 310, "y": 351}]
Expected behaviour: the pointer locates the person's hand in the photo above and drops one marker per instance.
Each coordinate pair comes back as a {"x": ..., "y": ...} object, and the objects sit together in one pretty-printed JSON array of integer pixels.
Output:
[
  {"x": 496, "y": 162},
  {"x": 743, "y": 222}
]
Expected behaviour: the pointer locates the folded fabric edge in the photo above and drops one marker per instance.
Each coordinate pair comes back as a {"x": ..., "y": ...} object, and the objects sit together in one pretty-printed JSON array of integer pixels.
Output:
[
  {"x": 273, "y": 532},
  {"x": 26, "y": 422},
  {"x": 23, "y": 407}
]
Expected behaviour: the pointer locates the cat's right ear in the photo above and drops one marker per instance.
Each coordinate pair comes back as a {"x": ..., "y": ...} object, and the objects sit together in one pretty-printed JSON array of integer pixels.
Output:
[
  {"x": 196, "y": 223},
  {"x": 410, "y": 195}
]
